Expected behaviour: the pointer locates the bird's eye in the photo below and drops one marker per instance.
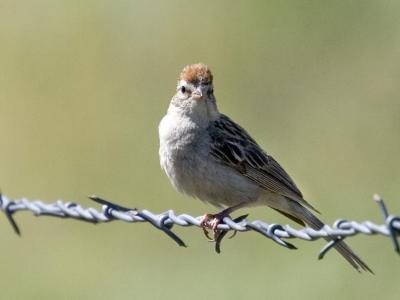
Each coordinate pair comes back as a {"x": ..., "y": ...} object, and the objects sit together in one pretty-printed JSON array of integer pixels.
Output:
[
  {"x": 183, "y": 89},
  {"x": 209, "y": 92}
]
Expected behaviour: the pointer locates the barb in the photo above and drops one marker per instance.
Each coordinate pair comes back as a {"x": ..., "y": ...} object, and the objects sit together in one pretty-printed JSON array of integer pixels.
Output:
[{"x": 166, "y": 220}]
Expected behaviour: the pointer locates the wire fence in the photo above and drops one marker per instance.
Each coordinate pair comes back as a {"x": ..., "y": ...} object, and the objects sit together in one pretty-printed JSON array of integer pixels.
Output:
[{"x": 165, "y": 222}]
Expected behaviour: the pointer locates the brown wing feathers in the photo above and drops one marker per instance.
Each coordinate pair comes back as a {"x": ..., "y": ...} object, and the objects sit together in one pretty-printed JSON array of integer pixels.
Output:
[{"x": 233, "y": 146}]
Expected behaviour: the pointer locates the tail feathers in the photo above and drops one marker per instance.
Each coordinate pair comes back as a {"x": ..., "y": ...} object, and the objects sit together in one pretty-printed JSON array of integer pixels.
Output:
[
  {"x": 351, "y": 257},
  {"x": 312, "y": 221}
]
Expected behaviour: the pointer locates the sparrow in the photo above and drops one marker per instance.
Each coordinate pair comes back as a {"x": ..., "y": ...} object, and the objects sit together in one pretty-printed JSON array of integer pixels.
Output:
[{"x": 208, "y": 156}]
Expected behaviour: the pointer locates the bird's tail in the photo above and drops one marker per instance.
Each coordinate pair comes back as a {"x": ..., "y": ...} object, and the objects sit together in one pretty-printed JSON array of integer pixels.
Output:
[
  {"x": 312, "y": 221},
  {"x": 300, "y": 214}
]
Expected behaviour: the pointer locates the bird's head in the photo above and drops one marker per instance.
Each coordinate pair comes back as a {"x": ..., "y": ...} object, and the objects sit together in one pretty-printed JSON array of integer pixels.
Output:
[{"x": 195, "y": 92}]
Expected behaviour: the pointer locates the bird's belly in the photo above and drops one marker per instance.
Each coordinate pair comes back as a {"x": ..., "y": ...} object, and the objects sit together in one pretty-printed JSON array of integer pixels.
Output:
[
  {"x": 204, "y": 178},
  {"x": 223, "y": 186}
]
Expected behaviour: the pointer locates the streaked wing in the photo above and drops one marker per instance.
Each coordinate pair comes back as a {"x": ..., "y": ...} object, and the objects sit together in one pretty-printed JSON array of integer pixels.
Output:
[{"x": 233, "y": 146}]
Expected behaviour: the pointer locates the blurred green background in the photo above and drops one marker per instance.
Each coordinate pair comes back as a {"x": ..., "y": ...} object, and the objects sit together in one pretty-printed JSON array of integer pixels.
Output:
[{"x": 84, "y": 84}]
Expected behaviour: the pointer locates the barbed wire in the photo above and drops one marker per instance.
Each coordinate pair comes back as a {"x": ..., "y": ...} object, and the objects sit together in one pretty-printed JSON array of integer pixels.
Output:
[{"x": 166, "y": 220}]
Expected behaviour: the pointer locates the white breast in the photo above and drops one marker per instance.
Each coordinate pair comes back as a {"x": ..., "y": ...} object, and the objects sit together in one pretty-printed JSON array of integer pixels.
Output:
[{"x": 184, "y": 156}]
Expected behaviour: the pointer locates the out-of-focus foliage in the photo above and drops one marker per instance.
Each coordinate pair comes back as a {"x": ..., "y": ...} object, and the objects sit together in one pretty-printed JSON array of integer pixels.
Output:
[{"x": 83, "y": 85}]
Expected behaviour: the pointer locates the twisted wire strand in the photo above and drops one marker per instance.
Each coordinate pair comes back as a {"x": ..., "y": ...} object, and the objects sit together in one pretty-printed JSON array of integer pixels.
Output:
[{"x": 166, "y": 220}]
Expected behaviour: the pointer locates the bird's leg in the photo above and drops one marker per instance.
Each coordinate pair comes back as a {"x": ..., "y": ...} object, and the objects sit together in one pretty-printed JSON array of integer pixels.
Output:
[{"x": 211, "y": 221}]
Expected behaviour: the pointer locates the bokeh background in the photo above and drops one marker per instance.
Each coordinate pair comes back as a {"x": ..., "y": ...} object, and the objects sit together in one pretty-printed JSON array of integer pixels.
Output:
[{"x": 83, "y": 85}]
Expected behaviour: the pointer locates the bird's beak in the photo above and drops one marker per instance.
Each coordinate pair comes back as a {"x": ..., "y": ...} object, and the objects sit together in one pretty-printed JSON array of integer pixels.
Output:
[{"x": 197, "y": 94}]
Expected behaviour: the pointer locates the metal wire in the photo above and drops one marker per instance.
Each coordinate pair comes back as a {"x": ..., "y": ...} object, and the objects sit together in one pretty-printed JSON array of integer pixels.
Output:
[{"x": 166, "y": 220}]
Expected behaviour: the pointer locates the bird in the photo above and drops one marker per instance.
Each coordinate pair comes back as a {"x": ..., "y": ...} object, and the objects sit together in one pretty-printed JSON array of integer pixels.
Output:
[{"x": 208, "y": 156}]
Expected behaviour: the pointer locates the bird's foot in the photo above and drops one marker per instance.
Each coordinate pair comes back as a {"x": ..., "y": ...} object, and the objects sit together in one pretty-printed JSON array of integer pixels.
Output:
[{"x": 211, "y": 221}]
